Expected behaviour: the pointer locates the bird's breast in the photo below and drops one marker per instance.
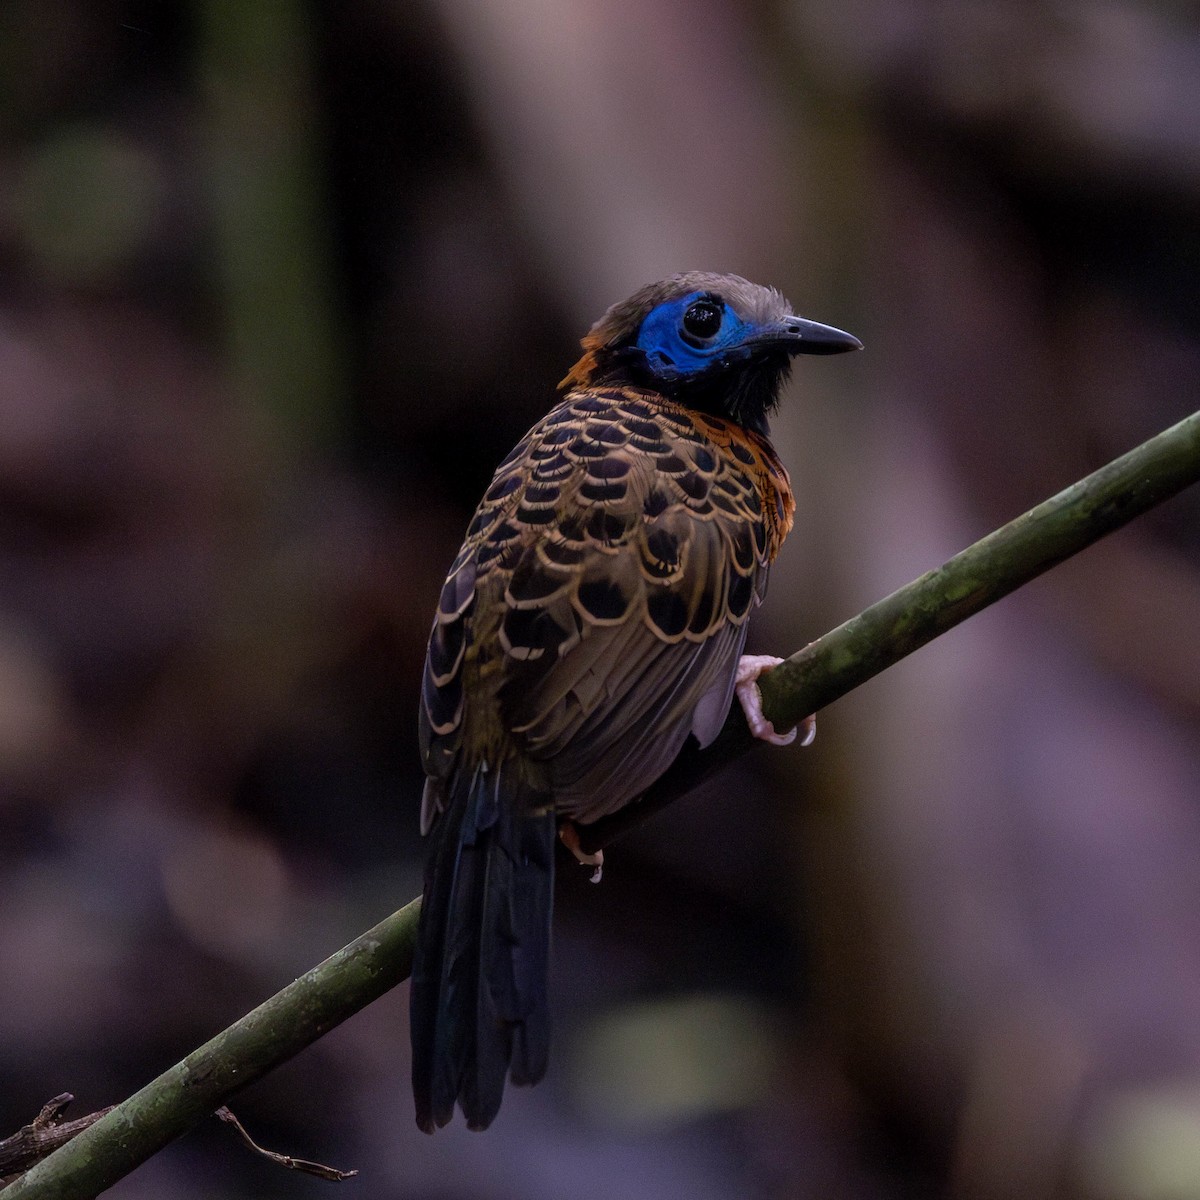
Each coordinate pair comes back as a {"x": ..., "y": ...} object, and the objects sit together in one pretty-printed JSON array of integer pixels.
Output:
[{"x": 750, "y": 452}]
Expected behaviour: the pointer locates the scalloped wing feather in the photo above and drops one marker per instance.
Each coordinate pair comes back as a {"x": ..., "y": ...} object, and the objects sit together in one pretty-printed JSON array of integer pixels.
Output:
[{"x": 595, "y": 614}]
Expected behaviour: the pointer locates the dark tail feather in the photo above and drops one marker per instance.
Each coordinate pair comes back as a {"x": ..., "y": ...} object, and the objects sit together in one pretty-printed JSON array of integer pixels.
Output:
[{"x": 478, "y": 997}]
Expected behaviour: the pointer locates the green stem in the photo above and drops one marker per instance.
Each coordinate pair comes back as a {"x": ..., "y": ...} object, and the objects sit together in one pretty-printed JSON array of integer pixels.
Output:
[{"x": 808, "y": 681}]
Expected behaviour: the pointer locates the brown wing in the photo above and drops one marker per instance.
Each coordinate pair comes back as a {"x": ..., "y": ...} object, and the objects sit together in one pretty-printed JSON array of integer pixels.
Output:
[{"x": 598, "y": 607}]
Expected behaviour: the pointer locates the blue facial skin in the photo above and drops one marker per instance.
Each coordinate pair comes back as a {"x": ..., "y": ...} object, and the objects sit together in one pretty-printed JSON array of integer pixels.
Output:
[{"x": 672, "y": 353}]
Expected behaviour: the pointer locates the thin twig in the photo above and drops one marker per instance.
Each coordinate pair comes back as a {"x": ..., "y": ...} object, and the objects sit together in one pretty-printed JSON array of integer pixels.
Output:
[
  {"x": 284, "y": 1160},
  {"x": 829, "y": 668}
]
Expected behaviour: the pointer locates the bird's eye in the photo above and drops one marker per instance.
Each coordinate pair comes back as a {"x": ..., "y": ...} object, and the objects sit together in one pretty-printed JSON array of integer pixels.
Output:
[{"x": 703, "y": 319}]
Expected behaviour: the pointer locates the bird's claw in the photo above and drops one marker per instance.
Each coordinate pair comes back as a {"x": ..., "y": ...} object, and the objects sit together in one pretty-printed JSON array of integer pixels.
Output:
[
  {"x": 749, "y": 668},
  {"x": 570, "y": 838}
]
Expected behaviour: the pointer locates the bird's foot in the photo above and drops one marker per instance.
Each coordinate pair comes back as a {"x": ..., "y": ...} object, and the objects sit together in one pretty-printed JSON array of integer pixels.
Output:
[
  {"x": 749, "y": 668},
  {"x": 570, "y": 838}
]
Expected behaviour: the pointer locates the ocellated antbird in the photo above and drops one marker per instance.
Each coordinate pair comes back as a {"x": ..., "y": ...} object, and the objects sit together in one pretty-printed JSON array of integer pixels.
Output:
[{"x": 593, "y": 620}]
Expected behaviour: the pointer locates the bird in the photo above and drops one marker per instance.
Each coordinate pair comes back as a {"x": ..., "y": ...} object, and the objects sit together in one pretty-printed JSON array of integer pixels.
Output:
[{"x": 593, "y": 620}]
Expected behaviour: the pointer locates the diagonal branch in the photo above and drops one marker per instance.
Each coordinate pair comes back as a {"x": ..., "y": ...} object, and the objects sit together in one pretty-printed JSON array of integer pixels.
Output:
[
  {"x": 812, "y": 679},
  {"x": 880, "y": 636}
]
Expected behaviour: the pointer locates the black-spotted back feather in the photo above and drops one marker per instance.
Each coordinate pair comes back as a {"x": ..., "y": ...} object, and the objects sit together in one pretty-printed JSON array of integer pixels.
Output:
[{"x": 620, "y": 546}]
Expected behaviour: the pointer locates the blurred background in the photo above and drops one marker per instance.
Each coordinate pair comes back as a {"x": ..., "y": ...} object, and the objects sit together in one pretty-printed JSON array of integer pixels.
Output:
[{"x": 280, "y": 282}]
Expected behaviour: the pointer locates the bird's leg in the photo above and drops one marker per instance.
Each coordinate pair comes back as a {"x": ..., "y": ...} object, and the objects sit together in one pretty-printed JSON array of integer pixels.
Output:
[
  {"x": 570, "y": 838},
  {"x": 749, "y": 668}
]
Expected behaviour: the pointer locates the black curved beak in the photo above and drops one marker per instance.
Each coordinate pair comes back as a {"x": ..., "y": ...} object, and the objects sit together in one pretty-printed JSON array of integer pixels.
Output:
[{"x": 798, "y": 336}]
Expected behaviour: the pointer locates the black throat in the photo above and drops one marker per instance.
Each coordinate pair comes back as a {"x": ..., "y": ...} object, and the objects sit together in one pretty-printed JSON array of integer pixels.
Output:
[{"x": 745, "y": 392}]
